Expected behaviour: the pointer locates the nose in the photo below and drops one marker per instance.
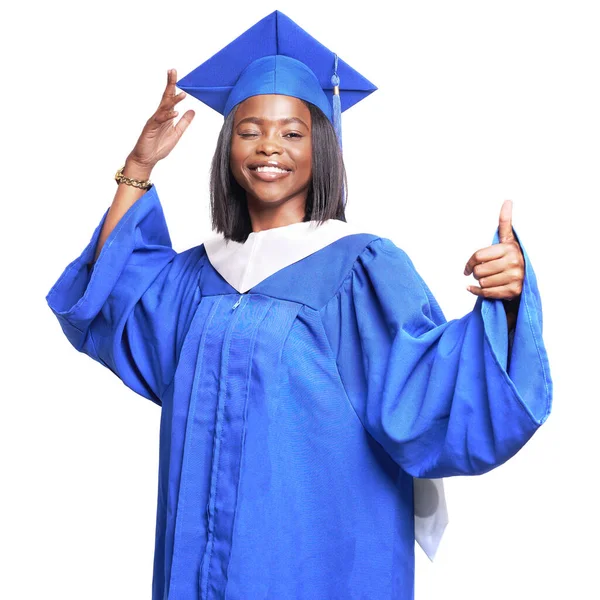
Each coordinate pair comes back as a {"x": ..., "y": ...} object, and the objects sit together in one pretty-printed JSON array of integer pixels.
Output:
[{"x": 269, "y": 145}]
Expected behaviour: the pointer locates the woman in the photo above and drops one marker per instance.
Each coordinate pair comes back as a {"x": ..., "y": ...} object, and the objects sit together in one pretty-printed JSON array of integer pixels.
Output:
[{"x": 305, "y": 372}]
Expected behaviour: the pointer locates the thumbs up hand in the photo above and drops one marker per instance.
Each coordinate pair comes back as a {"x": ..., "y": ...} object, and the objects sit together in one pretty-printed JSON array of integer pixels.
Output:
[{"x": 499, "y": 269}]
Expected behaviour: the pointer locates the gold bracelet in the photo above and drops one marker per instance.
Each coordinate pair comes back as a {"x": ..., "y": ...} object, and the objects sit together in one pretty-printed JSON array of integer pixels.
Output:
[{"x": 120, "y": 178}]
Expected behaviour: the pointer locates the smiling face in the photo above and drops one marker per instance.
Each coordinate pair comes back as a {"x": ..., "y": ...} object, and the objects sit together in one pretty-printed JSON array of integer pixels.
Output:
[{"x": 271, "y": 152}]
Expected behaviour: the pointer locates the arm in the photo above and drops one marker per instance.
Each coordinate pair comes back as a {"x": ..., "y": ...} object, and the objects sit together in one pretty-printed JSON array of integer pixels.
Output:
[
  {"x": 132, "y": 309},
  {"x": 439, "y": 396},
  {"x": 125, "y": 300},
  {"x": 125, "y": 197},
  {"x": 158, "y": 138}
]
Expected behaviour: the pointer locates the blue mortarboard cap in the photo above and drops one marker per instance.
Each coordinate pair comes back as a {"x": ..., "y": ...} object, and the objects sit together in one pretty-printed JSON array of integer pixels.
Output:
[{"x": 276, "y": 56}]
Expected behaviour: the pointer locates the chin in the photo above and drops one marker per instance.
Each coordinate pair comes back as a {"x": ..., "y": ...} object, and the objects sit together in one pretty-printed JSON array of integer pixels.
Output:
[{"x": 271, "y": 196}]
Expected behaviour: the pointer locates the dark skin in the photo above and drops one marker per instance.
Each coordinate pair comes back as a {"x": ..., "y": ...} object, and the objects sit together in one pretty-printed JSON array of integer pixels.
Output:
[
  {"x": 271, "y": 158},
  {"x": 273, "y": 130},
  {"x": 500, "y": 269}
]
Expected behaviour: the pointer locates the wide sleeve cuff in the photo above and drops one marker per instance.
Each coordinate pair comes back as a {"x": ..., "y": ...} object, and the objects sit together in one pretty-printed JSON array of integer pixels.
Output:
[
  {"x": 83, "y": 288},
  {"x": 528, "y": 371}
]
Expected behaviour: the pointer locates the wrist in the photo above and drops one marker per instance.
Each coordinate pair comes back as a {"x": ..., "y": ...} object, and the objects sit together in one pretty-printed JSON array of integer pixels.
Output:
[
  {"x": 136, "y": 170},
  {"x": 135, "y": 176}
]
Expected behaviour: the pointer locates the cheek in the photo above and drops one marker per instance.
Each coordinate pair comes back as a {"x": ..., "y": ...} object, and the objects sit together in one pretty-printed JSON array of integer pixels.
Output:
[{"x": 304, "y": 161}]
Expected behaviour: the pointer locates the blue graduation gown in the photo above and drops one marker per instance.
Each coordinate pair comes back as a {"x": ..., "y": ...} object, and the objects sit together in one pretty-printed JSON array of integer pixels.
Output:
[{"x": 295, "y": 416}]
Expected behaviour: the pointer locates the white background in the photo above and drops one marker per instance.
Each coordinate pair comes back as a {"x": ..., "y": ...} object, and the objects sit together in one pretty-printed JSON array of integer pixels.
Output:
[{"x": 477, "y": 102}]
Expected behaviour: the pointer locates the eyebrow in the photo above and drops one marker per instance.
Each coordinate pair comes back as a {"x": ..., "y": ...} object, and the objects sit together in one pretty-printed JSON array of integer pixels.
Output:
[{"x": 258, "y": 121}]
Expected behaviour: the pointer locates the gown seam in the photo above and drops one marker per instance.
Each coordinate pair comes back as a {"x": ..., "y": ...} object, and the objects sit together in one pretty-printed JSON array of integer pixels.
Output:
[{"x": 68, "y": 322}]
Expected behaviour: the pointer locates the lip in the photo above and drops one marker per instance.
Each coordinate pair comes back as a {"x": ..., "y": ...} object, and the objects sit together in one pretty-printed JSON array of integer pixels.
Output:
[{"x": 266, "y": 176}]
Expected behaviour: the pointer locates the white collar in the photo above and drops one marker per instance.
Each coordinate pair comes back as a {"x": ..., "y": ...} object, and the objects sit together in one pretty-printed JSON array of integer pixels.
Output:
[{"x": 243, "y": 266}]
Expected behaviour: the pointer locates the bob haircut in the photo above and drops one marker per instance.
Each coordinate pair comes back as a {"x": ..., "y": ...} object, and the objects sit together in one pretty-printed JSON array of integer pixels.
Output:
[{"x": 326, "y": 193}]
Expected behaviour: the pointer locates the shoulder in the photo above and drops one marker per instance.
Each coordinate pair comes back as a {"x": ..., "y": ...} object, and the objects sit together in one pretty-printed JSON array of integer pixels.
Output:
[
  {"x": 381, "y": 249},
  {"x": 365, "y": 262},
  {"x": 188, "y": 263},
  {"x": 383, "y": 281},
  {"x": 381, "y": 268},
  {"x": 382, "y": 258}
]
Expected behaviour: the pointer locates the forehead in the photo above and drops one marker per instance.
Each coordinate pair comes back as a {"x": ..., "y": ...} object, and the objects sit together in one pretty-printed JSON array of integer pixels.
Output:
[{"x": 273, "y": 107}]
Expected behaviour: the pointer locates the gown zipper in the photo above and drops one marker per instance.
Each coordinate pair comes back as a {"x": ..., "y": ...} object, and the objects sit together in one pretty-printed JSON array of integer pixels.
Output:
[{"x": 239, "y": 301}]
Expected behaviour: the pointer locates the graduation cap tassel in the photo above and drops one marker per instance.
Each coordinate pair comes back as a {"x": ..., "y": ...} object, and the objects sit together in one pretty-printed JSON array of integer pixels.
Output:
[{"x": 337, "y": 103}]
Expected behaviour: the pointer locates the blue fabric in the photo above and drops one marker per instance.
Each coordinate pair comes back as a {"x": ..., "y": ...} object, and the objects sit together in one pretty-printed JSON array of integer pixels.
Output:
[
  {"x": 337, "y": 102},
  {"x": 292, "y": 425},
  {"x": 279, "y": 75},
  {"x": 274, "y": 56}
]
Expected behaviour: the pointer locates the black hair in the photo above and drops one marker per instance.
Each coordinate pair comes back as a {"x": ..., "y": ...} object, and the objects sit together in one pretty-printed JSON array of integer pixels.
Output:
[{"x": 326, "y": 193}]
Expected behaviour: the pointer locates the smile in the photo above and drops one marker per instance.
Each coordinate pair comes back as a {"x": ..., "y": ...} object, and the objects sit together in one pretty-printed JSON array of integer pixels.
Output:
[
  {"x": 266, "y": 172},
  {"x": 270, "y": 170}
]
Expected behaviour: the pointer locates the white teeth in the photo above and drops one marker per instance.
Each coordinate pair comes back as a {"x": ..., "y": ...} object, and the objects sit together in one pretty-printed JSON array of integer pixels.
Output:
[{"x": 270, "y": 170}]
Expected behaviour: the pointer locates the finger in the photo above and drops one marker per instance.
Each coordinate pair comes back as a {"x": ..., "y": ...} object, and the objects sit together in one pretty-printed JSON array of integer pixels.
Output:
[
  {"x": 505, "y": 230},
  {"x": 504, "y": 292},
  {"x": 492, "y": 267},
  {"x": 168, "y": 104},
  {"x": 511, "y": 278},
  {"x": 163, "y": 116},
  {"x": 184, "y": 122},
  {"x": 178, "y": 98},
  {"x": 485, "y": 255},
  {"x": 170, "y": 88}
]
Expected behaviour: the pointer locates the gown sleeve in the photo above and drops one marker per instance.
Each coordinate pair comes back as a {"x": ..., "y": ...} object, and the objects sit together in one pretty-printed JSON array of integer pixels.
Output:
[
  {"x": 441, "y": 397},
  {"x": 128, "y": 309}
]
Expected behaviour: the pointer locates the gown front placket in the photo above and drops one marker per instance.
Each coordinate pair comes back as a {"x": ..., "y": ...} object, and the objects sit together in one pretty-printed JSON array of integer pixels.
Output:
[{"x": 222, "y": 380}]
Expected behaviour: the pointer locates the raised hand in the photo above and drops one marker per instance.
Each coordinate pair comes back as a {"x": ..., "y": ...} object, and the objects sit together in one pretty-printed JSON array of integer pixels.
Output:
[
  {"x": 158, "y": 138},
  {"x": 499, "y": 269},
  {"x": 161, "y": 133}
]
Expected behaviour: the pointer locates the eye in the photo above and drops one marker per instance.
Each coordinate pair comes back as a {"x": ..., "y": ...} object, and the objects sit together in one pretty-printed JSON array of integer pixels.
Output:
[
  {"x": 248, "y": 134},
  {"x": 293, "y": 135}
]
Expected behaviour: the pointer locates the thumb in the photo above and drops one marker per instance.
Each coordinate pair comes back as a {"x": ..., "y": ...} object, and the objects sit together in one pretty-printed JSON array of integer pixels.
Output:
[{"x": 505, "y": 231}]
